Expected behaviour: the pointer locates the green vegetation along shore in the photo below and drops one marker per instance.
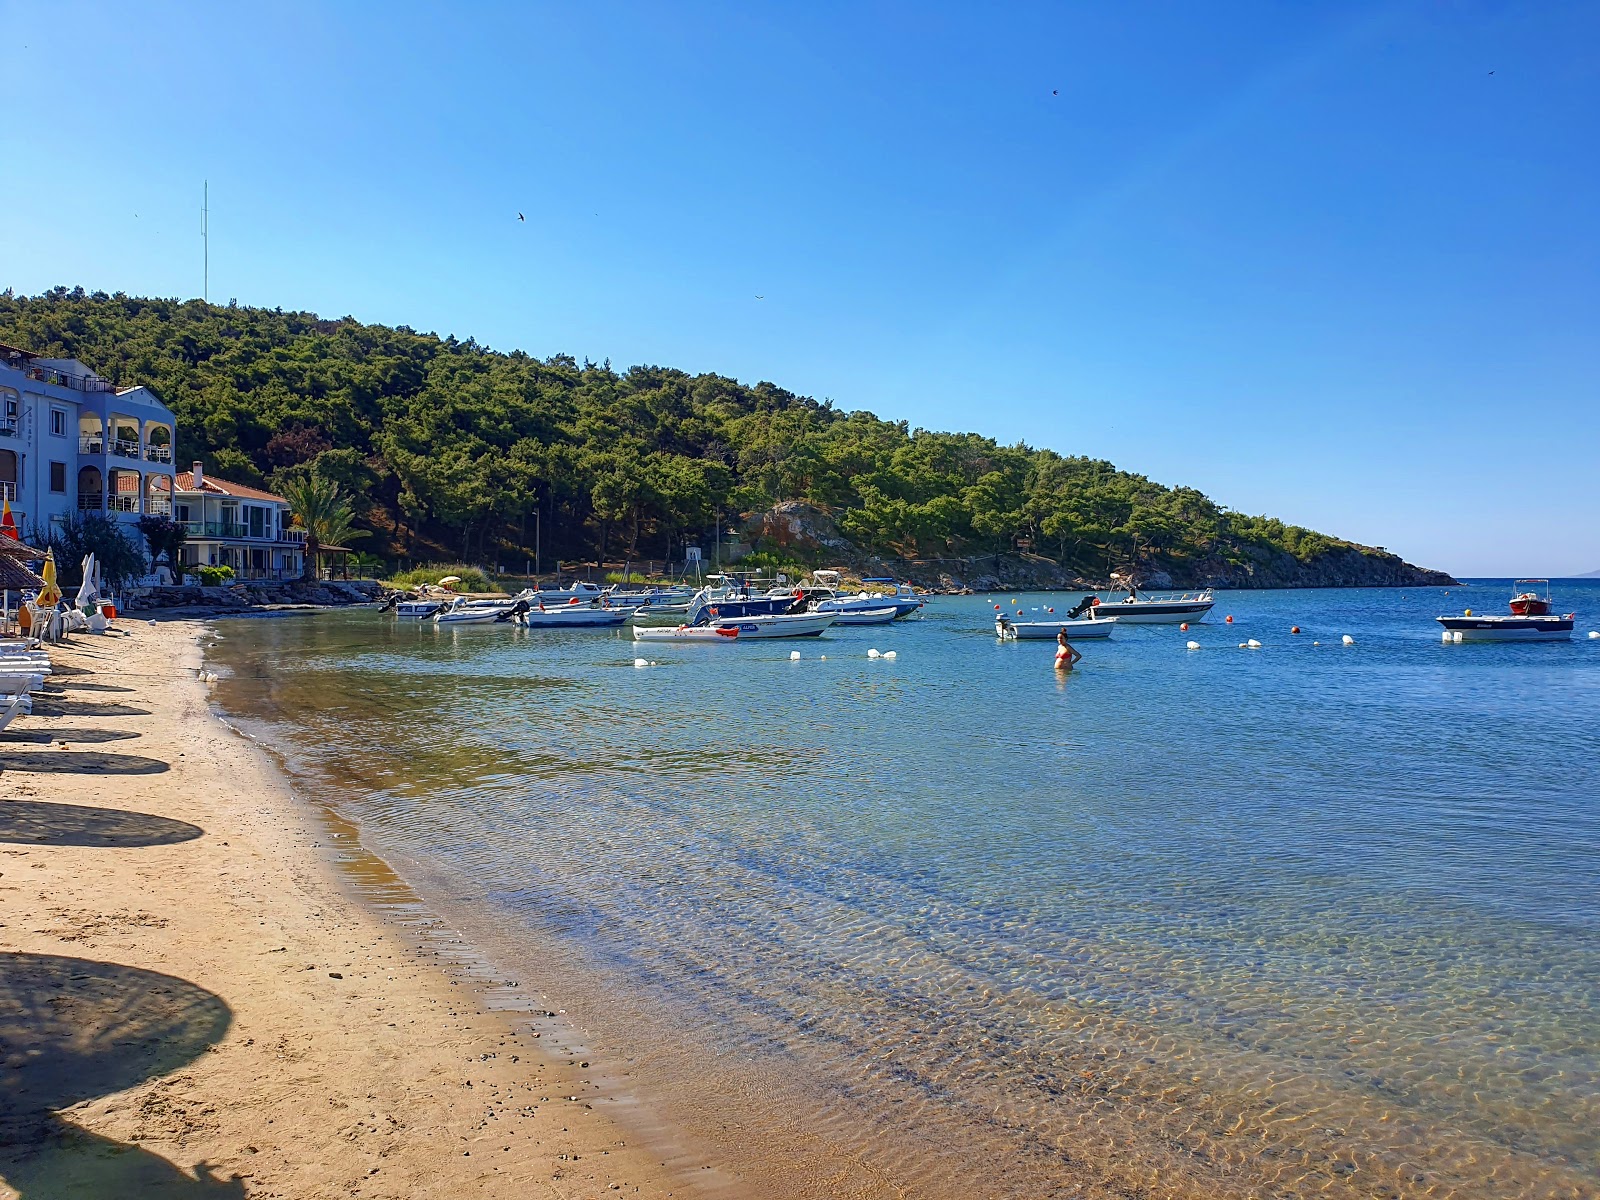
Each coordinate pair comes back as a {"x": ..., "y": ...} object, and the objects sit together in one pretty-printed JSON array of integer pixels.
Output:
[{"x": 458, "y": 450}]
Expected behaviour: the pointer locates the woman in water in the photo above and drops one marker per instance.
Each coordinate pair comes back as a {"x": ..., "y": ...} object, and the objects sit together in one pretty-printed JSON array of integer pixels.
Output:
[{"x": 1067, "y": 655}]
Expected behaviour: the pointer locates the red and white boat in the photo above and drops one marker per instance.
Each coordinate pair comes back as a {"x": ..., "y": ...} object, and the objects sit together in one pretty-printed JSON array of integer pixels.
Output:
[{"x": 1530, "y": 621}]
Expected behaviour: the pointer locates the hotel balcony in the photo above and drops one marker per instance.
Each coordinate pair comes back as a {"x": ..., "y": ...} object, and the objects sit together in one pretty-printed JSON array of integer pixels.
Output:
[
  {"x": 77, "y": 383},
  {"x": 93, "y": 444},
  {"x": 90, "y": 502}
]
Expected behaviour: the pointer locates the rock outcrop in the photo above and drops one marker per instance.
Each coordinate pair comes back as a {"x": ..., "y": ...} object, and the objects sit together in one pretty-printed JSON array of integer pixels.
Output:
[
  {"x": 255, "y": 593},
  {"x": 811, "y": 534}
]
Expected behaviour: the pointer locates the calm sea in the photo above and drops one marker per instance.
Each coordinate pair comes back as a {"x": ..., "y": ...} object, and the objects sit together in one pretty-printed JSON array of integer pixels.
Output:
[{"x": 1312, "y": 918}]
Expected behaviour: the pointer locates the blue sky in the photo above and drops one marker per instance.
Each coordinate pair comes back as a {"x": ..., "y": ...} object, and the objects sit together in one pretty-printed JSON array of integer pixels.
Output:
[{"x": 1337, "y": 263}]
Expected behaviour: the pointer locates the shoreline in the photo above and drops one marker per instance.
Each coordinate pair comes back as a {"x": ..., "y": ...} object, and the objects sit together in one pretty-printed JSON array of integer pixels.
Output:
[{"x": 159, "y": 1041}]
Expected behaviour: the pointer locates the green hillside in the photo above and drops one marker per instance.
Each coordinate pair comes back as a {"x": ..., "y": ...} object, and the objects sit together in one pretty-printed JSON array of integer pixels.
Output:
[{"x": 457, "y": 449}]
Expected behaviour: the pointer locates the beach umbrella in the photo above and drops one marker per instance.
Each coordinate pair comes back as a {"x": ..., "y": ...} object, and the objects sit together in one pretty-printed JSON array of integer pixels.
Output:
[
  {"x": 8, "y": 523},
  {"x": 89, "y": 589},
  {"x": 49, "y": 594}
]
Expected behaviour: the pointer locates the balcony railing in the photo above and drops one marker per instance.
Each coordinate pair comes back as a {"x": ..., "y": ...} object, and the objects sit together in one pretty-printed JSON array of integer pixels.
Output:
[
  {"x": 125, "y": 448},
  {"x": 79, "y": 383},
  {"x": 92, "y": 444},
  {"x": 158, "y": 453},
  {"x": 8, "y": 491},
  {"x": 124, "y": 504},
  {"x": 224, "y": 529},
  {"x": 90, "y": 501},
  {"x": 158, "y": 506}
]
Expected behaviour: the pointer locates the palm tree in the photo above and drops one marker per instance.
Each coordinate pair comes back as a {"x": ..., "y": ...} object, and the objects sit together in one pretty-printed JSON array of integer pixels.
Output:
[{"x": 323, "y": 513}]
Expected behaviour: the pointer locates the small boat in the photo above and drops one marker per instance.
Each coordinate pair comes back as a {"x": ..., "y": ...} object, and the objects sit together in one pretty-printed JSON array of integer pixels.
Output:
[
  {"x": 1530, "y": 621},
  {"x": 572, "y": 618},
  {"x": 865, "y": 616},
  {"x": 474, "y": 612},
  {"x": 777, "y": 625},
  {"x": 822, "y": 594},
  {"x": 1077, "y": 629},
  {"x": 1138, "y": 608},
  {"x": 684, "y": 633}
]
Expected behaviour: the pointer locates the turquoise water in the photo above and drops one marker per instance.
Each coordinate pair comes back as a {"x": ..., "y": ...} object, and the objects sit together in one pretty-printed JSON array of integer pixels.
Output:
[{"x": 1213, "y": 923}]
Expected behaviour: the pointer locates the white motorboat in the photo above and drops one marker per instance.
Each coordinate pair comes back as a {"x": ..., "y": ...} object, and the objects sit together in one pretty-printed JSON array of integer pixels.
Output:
[
  {"x": 1530, "y": 620},
  {"x": 1137, "y": 608},
  {"x": 572, "y": 616},
  {"x": 865, "y": 616},
  {"x": 777, "y": 625},
  {"x": 474, "y": 612},
  {"x": 684, "y": 633},
  {"x": 580, "y": 590},
  {"x": 822, "y": 594},
  {"x": 1011, "y": 629}
]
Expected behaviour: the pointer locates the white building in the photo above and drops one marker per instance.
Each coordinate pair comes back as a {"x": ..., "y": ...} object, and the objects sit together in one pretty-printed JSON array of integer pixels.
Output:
[
  {"x": 233, "y": 525},
  {"x": 71, "y": 441}
]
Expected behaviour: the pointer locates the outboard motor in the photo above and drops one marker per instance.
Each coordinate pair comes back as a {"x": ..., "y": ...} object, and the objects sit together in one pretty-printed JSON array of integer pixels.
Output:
[
  {"x": 516, "y": 610},
  {"x": 1084, "y": 606}
]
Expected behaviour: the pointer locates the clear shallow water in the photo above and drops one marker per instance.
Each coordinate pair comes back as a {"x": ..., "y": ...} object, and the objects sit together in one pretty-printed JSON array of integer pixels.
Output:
[{"x": 1215, "y": 923}]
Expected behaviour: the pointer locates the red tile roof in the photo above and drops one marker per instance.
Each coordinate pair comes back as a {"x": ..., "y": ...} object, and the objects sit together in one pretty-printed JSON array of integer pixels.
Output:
[{"x": 218, "y": 487}]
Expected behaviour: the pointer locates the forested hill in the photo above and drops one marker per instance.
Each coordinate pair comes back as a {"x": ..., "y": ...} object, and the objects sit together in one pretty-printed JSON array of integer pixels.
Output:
[{"x": 455, "y": 449}]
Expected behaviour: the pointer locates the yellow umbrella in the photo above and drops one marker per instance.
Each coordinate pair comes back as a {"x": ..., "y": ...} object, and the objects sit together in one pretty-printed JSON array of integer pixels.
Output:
[{"x": 49, "y": 594}]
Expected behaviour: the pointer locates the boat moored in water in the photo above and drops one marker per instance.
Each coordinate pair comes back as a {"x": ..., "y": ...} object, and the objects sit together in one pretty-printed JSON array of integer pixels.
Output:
[
  {"x": 1141, "y": 608},
  {"x": 865, "y": 616},
  {"x": 776, "y": 625},
  {"x": 1530, "y": 621},
  {"x": 1009, "y": 629},
  {"x": 684, "y": 633}
]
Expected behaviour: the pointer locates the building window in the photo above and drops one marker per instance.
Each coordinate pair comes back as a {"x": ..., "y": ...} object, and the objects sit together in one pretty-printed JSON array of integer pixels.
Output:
[
  {"x": 181, "y": 512},
  {"x": 58, "y": 422},
  {"x": 58, "y": 477}
]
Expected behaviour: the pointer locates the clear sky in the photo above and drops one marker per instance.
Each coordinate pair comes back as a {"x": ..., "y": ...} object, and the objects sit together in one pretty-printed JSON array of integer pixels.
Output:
[{"x": 1339, "y": 263}]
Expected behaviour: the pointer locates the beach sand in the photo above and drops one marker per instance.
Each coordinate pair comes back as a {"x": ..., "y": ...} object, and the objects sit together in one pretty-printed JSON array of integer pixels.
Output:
[{"x": 192, "y": 1006}]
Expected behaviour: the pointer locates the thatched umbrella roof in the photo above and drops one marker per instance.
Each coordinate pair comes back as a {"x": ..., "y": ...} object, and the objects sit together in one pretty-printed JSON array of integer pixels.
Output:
[
  {"x": 16, "y": 577},
  {"x": 11, "y": 547}
]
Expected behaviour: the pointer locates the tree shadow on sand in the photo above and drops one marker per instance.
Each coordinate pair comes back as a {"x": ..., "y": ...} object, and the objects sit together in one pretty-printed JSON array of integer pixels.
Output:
[
  {"x": 72, "y": 1029},
  {"x": 93, "y": 687},
  {"x": 53, "y": 704},
  {"x": 80, "y": 762},
  {"x": 49, "y": 737},
  {"x": 46, "y": 823}
]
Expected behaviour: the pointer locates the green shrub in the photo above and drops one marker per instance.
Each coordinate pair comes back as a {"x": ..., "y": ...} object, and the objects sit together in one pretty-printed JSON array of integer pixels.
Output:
[
  {"x": 215, "y": 576},
  {"x": 473, "y": 579}
]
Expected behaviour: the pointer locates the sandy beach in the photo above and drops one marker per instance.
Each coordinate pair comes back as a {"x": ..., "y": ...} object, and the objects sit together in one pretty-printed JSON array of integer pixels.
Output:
[{"x": 191, "y": 1005}]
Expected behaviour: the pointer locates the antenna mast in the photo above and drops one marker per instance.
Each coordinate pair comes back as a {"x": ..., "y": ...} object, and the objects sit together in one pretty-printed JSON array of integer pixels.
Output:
[{"x": 205, "y": 240}]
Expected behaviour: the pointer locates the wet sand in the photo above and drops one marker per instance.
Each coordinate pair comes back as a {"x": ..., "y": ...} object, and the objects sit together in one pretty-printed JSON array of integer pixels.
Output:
[{"x": 192, "y": 1005}]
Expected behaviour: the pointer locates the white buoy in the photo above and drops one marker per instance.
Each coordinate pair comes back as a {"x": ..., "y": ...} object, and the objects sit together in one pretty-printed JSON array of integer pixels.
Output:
[
  {"x": 824, "y": 658},
  {"x": 1592, "y": 633},
  {"x": 1253, "y": 644},
  {"x": 889, "y": 653},
  {"x": 794, "y": 656},
  {"x": 1194, "y": 645},
  {"x": 641, "y": 662},
  {"x": 1348, "y": 640},
  {"x": 1242, "y": 645},
  {"x": 873, "y": 654},
  {"x": 1316, "y": 643}
]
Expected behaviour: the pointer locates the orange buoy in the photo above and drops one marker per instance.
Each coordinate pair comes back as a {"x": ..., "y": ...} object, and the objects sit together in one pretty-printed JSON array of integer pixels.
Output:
[
  {"x": 1184, "y": 627},
  {"x": 1294, "y": 629},
  {"x": 1230, "y": 618}
]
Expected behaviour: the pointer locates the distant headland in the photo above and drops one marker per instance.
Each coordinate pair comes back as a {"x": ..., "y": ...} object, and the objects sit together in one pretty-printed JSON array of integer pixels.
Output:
[{"x": 454, "y": 450}]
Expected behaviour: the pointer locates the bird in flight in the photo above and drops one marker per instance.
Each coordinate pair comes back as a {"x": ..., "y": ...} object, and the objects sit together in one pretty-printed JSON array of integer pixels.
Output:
[
  {"x": 1491, "y": 72},
  {"x": 760, "y": 297},
  {"x": 520, "y": 217},
  {"x": 1057, "y": 91}
]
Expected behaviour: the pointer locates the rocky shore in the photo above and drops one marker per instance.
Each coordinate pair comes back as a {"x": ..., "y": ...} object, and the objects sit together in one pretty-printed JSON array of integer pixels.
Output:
[
  {"x": 263, "y": 593},
  {"x": 801, "y": 528}
]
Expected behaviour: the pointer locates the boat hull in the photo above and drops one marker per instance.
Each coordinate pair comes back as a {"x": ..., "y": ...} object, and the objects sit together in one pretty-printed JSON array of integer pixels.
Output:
[
  {"x": 870, "y": 616},
  {"x": 1154, "y": 612},
  {"x": 577, "y": 618},
  {"x": 1509, "y": 629},
  {"x": 486, "y": 617},
  {"x": 1046, "y": 631},
  {"x": 789, "y": 626},
  {"x": 684, "y": 633}
]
